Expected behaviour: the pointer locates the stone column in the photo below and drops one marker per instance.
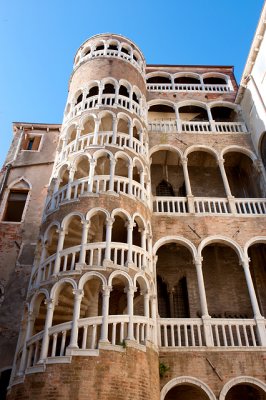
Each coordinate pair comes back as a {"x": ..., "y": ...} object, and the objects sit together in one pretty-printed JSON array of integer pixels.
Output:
[
  {"x": 96, "y": 131},
  {"x": 42, "y": 259},
  {"x": 114, "y": 136},
  {"x": 77, "y": 139},
  {"x": 260, "y": 321},
  {"x": 70, "y": 181},
  {"x": 112, "y": 175},
  {"x": 130, "y": 131},
  {"x": 230, "y": 198},
  {"x": 23, "y": 360},
  {"x": 178, "y": 120},
  {"x": 84, "y": 240},
  {"x": 91, "y": 176},
  {"x": 48, "y": 323},
  {"x": 146, "y": 298},
  {"x": 130, "y": 225},
  {"x": 190, "y": 197},
  {"x": 78, "y": 296},
  {"x": 130, "y": 310},
  {"x": 109, "y": 226},
  {"x": 211, "y": 121},
  {"x": 203, "y": 305},
  {"x": 61, "y": 237},
  {"x": 130, "y": 177},
  {"x": 105, "y": 312},
  {"x": 154, "y": 318}
]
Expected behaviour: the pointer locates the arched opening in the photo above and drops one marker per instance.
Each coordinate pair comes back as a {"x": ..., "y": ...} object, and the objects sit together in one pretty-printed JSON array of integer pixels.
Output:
[
  {"x": 63, "y": 176},
  {"x": 159, "y": 112},
  {"x": 245, "y": 391},
  {"x": 72, "y": 133},
  {"x": 186, "y": 392},
  {"x": 121, "y": 166},
  {"x": 16, "y": 201},
  {"x": 118, "y": 297},
  {"x": 112, "y": 46},
  {"x": 214, "y": 80},
  {"x": 257, "y": 267},
  {"x": 159, "y": 79},
  {"x": 137, "y": 171},
  {"x": 193, "y": 113},
  {"x": 63, "y": 312},
  {"x": 205, "y": 175},
  {"x": 91, "y": 306},
  {"x": 106, "y": 123},
  {"x": 82, "y": 168},
  {"x": 87, "y": 51},
  {"x": 119, "y": 230},
  {"x": 167, "y": 177},
  {"x": 187, "y": 80},
  {"x": 243, "y": 178},
  {"x": 226, "y": 289},
  {"x": 94, "y": 91},
  {"x": 139, "y": 301},
  {"x": 176, "y": 282},
  {"x": 136, "y": 97},
  {"x": 96, "y": 234},
  {"x": 123, "y": 91},
  {"x": 123, "y": 125},
  {"x": 125, "y": 50},
  {"x": 73, "y": 236},
  {"x": 99, "y": 46},
  {"x": 88, "y": 127},
  {"x": 109, "y": 89},
  {"x": 79, "y": 99},
  {"x": 39, "y": 312},
  {"x": 224, "y": 114},
  {"x": 263, "y": 148},
  {"x": 138, "y": 231},
  {"x": 51, "y": 241}
]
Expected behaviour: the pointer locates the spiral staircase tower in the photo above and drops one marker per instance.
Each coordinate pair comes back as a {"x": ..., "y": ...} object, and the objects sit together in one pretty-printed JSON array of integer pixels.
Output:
[{"x": 91, "y": 297}]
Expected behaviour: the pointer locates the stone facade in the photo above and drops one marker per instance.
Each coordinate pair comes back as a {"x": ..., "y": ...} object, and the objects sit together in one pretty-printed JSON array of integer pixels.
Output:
[{"x": 143, "y": 241}]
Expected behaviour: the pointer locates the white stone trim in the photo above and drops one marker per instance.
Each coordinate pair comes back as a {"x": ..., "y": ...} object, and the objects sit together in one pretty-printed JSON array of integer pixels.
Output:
[
  {"x": 239, "y": 380},
  {"x": 187, "y": 380}
]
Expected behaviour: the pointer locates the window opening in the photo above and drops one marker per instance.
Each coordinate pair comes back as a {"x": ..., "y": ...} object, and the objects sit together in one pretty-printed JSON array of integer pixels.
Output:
[
  {"x": 15, "y": 205},
  {"x": 31, "y": 143},
  {"x": 164, "y": 189}
]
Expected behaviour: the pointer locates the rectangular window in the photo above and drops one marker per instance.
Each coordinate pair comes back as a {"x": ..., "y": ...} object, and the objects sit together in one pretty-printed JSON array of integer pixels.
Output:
[
  {"x": 15, "y": 205},
  {"x": 31, "y": 142}
]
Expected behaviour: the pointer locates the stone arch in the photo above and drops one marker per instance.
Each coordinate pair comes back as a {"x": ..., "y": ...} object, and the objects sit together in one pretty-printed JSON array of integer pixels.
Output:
[
  {"x": 241, "y": 379},
  {"x": 95, "y": 210},
  {"x": 57, "y": 286},
  {"x": 89, "y": 275},
  {"x": 239, "y": 149},
  {"x": 254, "y": 240},
  {"x": 115, "y": 274},
  {"x": 20, "y": 183},
  {"x": 156, "y": 102},
  {"x": 187, "y": 380},
  {"x": 158, "y": 73},
  {"x": 187, "y": 74},
  {"x": 160, "y": 147},
  {"x": 205, "y": 148},
  {"x": 223, "y": 240},
  {"x": 103, "y": 153},
  {"x": 121, "y": 212},
  {"x": 53, "y": 223},
  {"x": 140, "y": 275},
  {"x": 67, "y": 218},
  {"x": 32, "y": 303},
  {"x": 176, "y": 239},
  {"x": 216, "y": 75}
]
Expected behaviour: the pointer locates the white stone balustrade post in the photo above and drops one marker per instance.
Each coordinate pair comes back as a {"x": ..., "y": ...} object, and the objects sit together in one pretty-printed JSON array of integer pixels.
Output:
[
  {"x": 78, "y": 296},
  {"x": 109, "y": 227},
  {"x": 84, "y": 240},
  {"x": 112, "y": 175},
  {"x": 130, "y": 226},
  {"x": 91, "y": 175},
  {"x": 130, "y": 310},
  {"x": 29, "y": 327},
  {"x": 227, "y": 189},
  {"x": 96, "y": 131},
  {"x": 190, "y": 197},
  {"x": 201, "y": 82},
  {"x": 105, "y": 313},
  {"x": 48, "y": 323},
  {"x": 60, "y": 244}
]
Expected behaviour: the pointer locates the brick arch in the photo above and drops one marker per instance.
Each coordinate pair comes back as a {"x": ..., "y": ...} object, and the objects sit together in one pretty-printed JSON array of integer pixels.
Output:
[
  {"x": 224, "y": 240},
  {"x": 176, "y": 239},
  {"x": 187, "y": 380}
]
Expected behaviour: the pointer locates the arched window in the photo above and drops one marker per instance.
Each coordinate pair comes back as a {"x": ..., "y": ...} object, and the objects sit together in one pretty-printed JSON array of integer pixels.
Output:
[{"x": 16, "y": 202}]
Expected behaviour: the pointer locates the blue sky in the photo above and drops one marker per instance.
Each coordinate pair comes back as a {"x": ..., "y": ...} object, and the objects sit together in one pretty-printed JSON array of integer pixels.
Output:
[{"x": 38, "y": 40}]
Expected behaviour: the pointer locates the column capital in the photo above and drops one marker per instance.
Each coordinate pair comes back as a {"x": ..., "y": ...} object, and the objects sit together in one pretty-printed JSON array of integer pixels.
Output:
[
  {"x": 50, "y": 303},
  {"x": 220, "y": 160},
  {"x": 78, "y": 293},
  {"x": 61, "y": 231},
  {"x": 106, "y": 290},
  {"x": 258, "y": 165},
  {"x": 184, "y": 160},
  {"x": 109, "y": 221},
  {"x": 130, "y": 290},
  {"x": 198, "y": 261},
  {"x": 244, "y": 262},
  {"x": 86, "y": 223},
  {"x": 130, "y": 225}
]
